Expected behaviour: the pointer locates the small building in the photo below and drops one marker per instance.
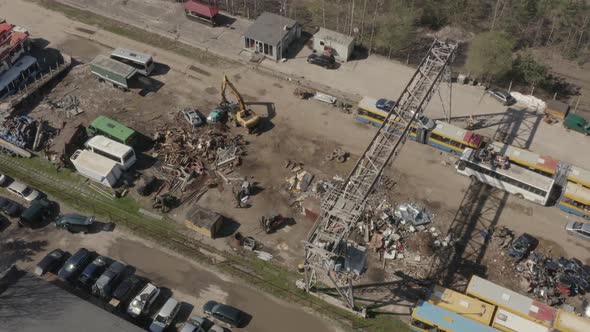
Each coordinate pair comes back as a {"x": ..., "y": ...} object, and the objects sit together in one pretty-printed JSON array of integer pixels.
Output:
[
  {"x": 557, "y": 109},
  {"x": 96, "y": 167},
  {"x": 335, "y": 43},
  {"x": 271, "y": 34},
  {"x": 197, "y": 10},
  {"x": 204, "y": 221},
  {"x": 12, "y": 80}
]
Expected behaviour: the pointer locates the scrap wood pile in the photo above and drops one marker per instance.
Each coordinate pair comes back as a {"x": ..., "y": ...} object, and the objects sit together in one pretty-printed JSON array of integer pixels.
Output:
[
  {"x": 187, "y": 154},
  {"x": 554, "y": 279}
]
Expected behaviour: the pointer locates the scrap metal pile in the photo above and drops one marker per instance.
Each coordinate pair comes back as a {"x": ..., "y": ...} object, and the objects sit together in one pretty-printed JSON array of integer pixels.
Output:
[
  {"x": 185, "y": 154},
  {"x": 554, "y": 279},
  {"x": 25, "y": 132}
]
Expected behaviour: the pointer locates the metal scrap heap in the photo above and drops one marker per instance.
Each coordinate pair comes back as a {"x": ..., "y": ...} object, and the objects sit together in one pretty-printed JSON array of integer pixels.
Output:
[
  {"x": 19, "y": 131},
  {"x": 553, "y": 279}
]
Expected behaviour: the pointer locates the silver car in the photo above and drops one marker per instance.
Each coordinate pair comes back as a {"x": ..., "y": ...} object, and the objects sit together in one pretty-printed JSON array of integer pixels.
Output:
[
  {"x": 192, "y": 116},
  {"x": 23, "y": 191},
  {"x": 578, "y": 229},
  {"x": 143, "y": 301},
  {"x": 166, "y": 315}
]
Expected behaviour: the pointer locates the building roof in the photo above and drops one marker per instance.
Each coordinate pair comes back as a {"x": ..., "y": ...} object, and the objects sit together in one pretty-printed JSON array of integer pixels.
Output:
[
  {"x": 34, "y": 304},
  {"x": 201, "y": 8},
  {"x": 94, "y": 162},
  {"x": 17, "y": 68},
  {"x": 111, "y": 65},
  {"x": 113, "y": 147},
  {"x": 333, "y": 36},
  {"x": 270, "y": 28},
  {"x": 15, "y": 38},
  {"x": 202, "y": 218}
]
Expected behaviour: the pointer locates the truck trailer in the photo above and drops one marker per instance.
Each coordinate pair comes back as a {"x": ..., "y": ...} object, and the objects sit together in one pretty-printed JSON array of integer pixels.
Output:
[{"x": 107, "y": 69}]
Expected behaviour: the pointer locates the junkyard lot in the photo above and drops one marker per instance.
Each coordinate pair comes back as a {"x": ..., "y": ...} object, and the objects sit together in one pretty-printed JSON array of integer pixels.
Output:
[{"x": 303, "y": 130}]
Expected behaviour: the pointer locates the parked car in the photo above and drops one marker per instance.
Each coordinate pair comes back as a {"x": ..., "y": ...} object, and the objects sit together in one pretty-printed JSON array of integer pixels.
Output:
[
  {"x": 39, "y": 211},
  {"x": 321, "y": 60},
  {"x": 10, "y": 207},
  {"x": 4, "y": 179},
  {"x": 75, "y": 264},
  {"x": 522, "y": 246},
  {"x": 503, "y": 96},
  {"x": 128, "y": 288},
  {"x": 94, "y": 270},
  {"x": 143, "y": 301},
  {"x": 225, "y": 313},
  {"x": 578, "y": 229},
  {"x": 192, "y": 116},
  {"x": 385, "y": 104},
  {"x": 197, "y": 324},
  {"x": 166, "y": 315},
  {"x": 75, "y": 223},
  {"x": 104, "y": 286},
  {"x": 51, "y": 262},
  {"x": 23, "y": 191}
]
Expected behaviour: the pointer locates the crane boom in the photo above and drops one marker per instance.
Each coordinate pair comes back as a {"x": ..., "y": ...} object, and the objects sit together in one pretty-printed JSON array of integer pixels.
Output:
[{"x": 327, "y": 245}]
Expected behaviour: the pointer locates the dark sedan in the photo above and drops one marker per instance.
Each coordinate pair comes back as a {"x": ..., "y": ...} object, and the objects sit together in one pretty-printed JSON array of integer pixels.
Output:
[
  {"x": 225, "y": 313},
  {"x": 50, "y": 263},
  {"x": 74, "y": 264},
  {"x": 385, "y": 104},
  {"x": 522, "y": 246},
  {"x": 321, "y": 60},
  {"x": 94, "y": 270},
  {"x": 10, "y": 207},
  {"x": 128, "y": 288},
  {"x": 107, "y": 282}
]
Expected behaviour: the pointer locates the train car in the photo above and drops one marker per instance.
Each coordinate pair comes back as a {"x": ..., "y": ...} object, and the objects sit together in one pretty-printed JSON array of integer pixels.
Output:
[
  {"x": 579, "y": 175},
  {"x": 576, "y": 200},
  {"x": 543, "y": 165},
  {"x": 428, "y": 317},
  {"x": 461, "y": 304},
  {"x": 511, "y": 301},
  {"x": 509, "y": 322},
  {"x": 453, "y": 139},
  {"x": 570, "y": 322}
]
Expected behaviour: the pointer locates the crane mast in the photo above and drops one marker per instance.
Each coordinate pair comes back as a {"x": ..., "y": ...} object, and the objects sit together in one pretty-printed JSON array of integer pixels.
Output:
[{"x": 327, "y": 246}]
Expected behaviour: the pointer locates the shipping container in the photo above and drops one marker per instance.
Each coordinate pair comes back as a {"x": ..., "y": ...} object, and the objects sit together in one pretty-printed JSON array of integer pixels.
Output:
[
  {"x": 511, "y": 301},
  {"x": 106, "y": 69}
]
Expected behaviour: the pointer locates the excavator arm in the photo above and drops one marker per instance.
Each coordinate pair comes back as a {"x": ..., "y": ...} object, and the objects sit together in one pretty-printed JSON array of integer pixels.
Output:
[
  {"x": 226, "y": 82},
  {"x": 245, "y": 117}
]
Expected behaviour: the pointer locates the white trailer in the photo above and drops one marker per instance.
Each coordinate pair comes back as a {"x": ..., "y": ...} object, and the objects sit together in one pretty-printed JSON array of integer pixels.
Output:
[{"x": 96, "y": 167}]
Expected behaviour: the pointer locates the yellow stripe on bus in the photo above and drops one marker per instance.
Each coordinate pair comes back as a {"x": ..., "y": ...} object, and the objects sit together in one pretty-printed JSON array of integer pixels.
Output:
[
  {"x": 446, "y": 144},
  {"x": 575, "y": 180},
  {"x": 577, "y": 199},
  {"x": 575, "y": 208}
]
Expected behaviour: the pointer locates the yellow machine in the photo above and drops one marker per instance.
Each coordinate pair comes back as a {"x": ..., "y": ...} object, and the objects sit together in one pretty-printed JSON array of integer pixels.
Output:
[{"x": 243, "y": 116}]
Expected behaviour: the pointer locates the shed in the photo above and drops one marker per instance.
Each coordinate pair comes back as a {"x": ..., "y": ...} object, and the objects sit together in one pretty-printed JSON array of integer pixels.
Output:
[
  {"x": 557, "y": 109},
  {"x": 204, "y": 221},
  {"x": 201, "y": 11},
  {"x": 271, "y": 34},
  {"x": 335, "y": 43}
]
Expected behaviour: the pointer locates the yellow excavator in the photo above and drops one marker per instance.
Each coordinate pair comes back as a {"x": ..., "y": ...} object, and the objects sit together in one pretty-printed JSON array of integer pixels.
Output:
[{"x": 239, "y": 113}]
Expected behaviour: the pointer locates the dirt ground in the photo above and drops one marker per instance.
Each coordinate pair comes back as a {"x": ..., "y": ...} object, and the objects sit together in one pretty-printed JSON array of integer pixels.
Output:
[{"x": 301, "y": 130}]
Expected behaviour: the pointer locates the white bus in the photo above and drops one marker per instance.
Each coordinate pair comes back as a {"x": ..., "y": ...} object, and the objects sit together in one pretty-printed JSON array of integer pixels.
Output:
[
  {"x": 144, "y": 63},
  {"x": 118, "y": 152},
  {"x": 515, "y": 179}
]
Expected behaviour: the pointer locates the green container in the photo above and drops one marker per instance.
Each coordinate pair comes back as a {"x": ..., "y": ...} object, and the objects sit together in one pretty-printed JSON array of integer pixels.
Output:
[
  {"x": 577, "y": 123},
  {"x": 113, "y": 71}
]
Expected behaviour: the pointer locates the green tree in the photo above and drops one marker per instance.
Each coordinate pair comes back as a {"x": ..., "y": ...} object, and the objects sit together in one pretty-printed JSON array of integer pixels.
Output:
[
  {"x": 396, "y": 29},
  {"x": 527, "y": 69},
  {"x": 490, "y": 55}
]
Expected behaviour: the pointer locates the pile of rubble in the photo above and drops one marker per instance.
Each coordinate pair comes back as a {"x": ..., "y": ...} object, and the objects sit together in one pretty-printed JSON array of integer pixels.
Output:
[
  {"x": 552, "y": 280},
  {"x": 69, "y": 105},
  {"x": 20, "y": 131}
]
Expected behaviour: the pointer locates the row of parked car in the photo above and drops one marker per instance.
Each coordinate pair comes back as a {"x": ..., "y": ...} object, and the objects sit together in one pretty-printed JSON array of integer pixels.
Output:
[{"x": 114, "y": 282}]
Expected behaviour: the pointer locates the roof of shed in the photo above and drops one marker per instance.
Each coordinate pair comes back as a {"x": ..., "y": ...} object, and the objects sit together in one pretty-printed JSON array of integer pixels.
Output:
[
  {"x": 269, "y": 28},
  {"x": 334, "y": 36}
]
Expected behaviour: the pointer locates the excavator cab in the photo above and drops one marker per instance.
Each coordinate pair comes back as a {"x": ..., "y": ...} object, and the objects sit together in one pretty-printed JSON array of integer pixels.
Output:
[{"x": 238, "y": 112}]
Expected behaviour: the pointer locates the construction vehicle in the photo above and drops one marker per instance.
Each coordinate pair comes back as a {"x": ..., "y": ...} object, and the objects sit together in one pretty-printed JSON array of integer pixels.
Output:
[
  {"x": 271, "y": 223},
  {"x": 237, "y": 112}
]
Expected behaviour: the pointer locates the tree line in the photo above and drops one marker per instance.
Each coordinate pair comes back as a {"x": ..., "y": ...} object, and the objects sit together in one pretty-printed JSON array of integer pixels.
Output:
[{"x": 503, "y": 30}]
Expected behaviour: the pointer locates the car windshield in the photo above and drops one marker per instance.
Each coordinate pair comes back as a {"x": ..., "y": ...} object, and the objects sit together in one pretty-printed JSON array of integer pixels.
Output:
[
  {"x": 27, "y": 191},
  {"x": 161, "y": 319}
]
